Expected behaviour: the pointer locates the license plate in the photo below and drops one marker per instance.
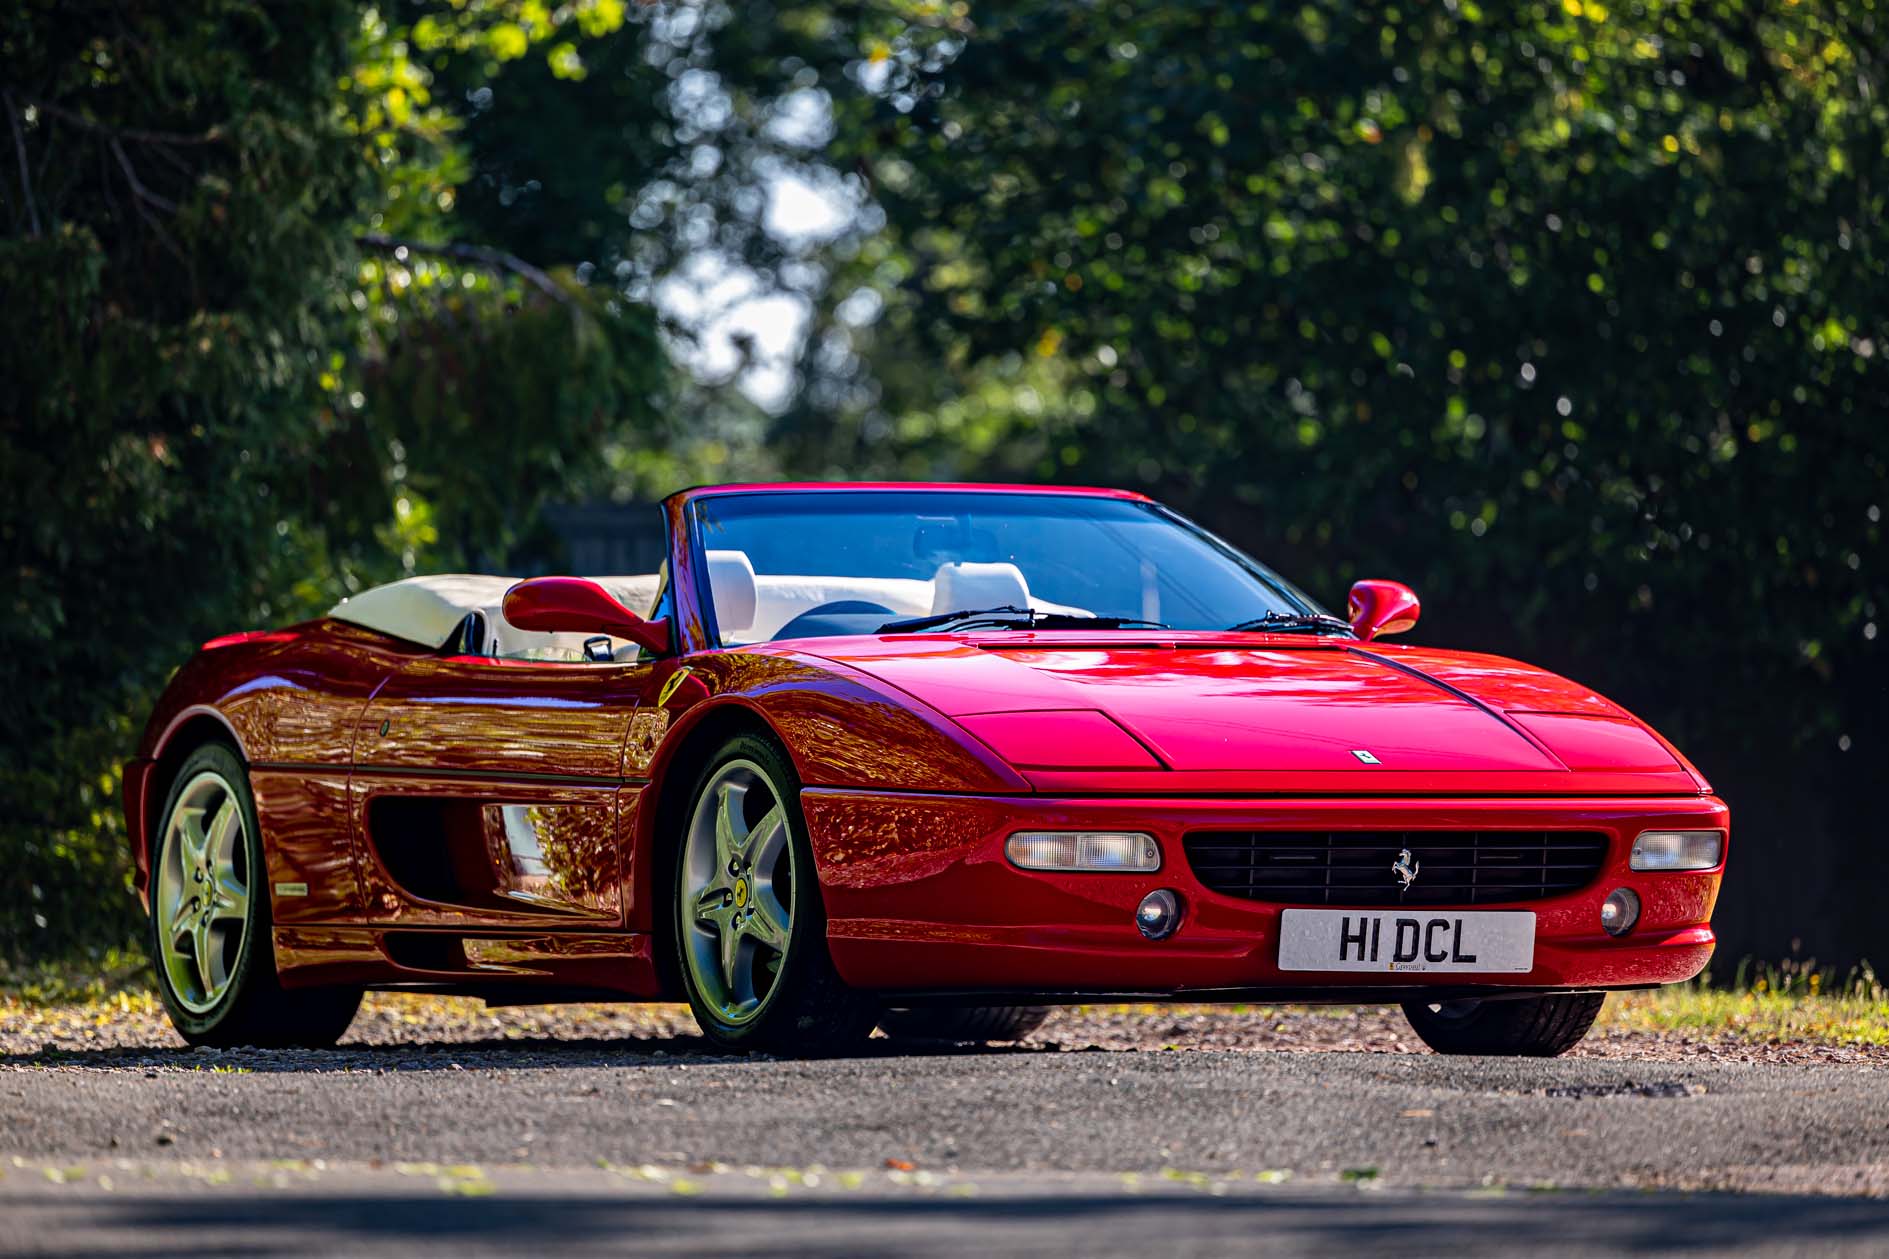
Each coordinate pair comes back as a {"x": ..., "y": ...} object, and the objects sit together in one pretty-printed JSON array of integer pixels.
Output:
[{"x": 1406, "y": 941}]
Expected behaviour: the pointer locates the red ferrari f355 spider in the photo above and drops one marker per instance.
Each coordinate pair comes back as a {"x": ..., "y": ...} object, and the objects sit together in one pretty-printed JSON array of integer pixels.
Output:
[{"x": 930, "y": 757}]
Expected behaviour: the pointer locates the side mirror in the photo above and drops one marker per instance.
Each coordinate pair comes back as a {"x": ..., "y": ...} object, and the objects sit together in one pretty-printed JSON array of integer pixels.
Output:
[
  {"x": 577, "y": 605},
  {"x": 1378, "y": 608}
]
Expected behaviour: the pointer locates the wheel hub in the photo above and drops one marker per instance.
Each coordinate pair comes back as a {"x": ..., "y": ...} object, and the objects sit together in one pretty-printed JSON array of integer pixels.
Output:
[{"x": 735, "y": 892}]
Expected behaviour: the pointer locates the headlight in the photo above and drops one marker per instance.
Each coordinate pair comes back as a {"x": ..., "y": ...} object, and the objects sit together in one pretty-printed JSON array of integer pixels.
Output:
[
  {"x": 1678, "y": 850},
  {"x": 1083, "y": 850}
]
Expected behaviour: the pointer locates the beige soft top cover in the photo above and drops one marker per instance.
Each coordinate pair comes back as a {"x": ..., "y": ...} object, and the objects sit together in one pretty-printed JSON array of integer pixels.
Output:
[{"x": 430, "y": 610}]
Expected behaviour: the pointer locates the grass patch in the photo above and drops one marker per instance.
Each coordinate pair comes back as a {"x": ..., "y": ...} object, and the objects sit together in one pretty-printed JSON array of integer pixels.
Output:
[
  {"x": 118, "y": 973},
  {"x": 1789, "y": 1003}
]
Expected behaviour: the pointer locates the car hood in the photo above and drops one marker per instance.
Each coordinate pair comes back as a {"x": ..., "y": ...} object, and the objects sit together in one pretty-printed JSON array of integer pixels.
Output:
[{"x": 1216, "y": 708}]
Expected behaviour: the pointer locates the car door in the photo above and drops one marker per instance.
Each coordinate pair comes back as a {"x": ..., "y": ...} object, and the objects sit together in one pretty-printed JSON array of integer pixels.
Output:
[{"x": 489, "y": 791}]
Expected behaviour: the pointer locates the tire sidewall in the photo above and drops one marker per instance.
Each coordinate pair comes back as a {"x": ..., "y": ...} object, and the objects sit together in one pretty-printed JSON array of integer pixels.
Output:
[
  {"x": 1542, "y": 1026},
  {"x": 807, "y": 918},
  {"x": 256, "y": 951}
]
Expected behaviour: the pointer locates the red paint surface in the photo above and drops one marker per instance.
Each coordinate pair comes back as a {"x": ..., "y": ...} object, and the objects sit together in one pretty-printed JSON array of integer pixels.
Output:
[
  {"x": 919, "y": 893},
  {"x": 1064, "y": 739},
  {"x": 1377, "y": 608},
  {"x": 920, "y": 754},
  {"x": 474, "y": 715},
  {"x": 1581, "y": 741},
  {"x": 1270, "y": 713}
]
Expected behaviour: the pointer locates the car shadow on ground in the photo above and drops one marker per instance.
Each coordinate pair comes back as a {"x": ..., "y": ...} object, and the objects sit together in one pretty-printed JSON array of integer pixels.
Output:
[
  {"x": 496, "y": 1052},
  {"x": 1091, "y": 1223}
]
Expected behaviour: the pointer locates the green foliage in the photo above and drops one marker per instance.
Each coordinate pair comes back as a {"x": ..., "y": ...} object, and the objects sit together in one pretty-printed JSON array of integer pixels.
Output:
[
  {"x": 231, "y": 393},
  {"x": 164, "y": 295},
  {"x": 1570, "y": 314}
]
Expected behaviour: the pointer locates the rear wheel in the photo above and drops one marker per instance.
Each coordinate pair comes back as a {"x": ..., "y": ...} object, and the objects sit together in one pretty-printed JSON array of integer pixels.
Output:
[
  {"x": 749, "y": 924},
  {"x": 962, "y": 1023},
  {"x": 210, "y": 921},
  {"x": 1534, "y": 1027}
]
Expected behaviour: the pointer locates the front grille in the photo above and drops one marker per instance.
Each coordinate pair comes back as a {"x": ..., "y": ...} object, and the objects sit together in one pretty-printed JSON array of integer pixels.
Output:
[{"x": 1354, "y": 867}]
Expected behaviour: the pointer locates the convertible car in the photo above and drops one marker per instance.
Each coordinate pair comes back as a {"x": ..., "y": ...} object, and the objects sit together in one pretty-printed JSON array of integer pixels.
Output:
[{"x": 926, "y": 757}]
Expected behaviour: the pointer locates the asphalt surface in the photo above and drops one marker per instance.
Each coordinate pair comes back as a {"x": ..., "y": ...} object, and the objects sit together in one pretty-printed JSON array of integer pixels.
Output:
[{"x": 641, "y": 1150}]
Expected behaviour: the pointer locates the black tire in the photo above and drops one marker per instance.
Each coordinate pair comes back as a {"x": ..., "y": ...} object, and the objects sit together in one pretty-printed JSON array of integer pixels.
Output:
[
  {"x": 1530, "y": 1027},
  {"x": 254, "y": 1009},
  {"x": 808, "y": 1010},
  {"x": 962, "y": 1023}
]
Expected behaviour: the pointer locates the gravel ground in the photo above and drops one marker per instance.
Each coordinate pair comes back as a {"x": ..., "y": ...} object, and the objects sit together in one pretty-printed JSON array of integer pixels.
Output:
[
  {"x": 441, "y": 1125},
  {"x": 135, "y": 1027},
  {"x": 1411, "y": 1120}
]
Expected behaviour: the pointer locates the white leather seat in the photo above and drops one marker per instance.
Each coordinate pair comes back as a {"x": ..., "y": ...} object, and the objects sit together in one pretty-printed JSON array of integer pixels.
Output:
[
  {"x": 781, "y": 598},
  {"x": 731, "y": 577},
  {"x": 964, "y": 586}
]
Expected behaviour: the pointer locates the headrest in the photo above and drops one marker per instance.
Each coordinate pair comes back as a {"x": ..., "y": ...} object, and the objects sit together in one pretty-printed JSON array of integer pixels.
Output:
[
  {"x": 731, "y": 577},
  {"x": 960, "y": 587}
]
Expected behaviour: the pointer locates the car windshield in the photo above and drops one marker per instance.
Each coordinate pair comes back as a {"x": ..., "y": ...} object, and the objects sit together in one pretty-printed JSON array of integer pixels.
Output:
[{"x": 817, "y": 563}]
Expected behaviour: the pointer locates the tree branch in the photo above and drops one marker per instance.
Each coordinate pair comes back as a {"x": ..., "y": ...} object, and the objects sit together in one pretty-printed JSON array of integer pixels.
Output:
[
  {"x": 483, "y": 255},
  {"x": 26, "y": 174},
  {"x": 142, "y": 196},
  {"x": 138, "y": 135},
  {"x": 138, "y": 189}
]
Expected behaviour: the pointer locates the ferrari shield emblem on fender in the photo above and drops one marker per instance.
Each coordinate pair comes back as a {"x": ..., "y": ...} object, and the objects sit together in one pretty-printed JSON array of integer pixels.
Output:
[{"x": 674, "y": 683}]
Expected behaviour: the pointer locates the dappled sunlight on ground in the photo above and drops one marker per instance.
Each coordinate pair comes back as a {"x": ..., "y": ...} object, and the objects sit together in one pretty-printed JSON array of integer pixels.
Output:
[{"x": 1672, "y": 1024}]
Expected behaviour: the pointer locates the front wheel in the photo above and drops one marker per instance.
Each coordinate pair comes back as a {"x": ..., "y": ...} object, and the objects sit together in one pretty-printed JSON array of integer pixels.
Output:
[
  {"x": 749, "y": 924},
  {"x": 1531, "y": 1027},
  {"x": 210, "y": 921}
]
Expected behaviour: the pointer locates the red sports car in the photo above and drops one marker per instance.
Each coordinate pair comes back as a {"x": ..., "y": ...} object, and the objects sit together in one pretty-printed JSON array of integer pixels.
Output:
[{"x": 930, "y": 757}]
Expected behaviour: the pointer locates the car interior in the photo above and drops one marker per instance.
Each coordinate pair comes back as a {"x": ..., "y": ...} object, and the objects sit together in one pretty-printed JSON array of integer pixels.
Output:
[{"x": 460, "y": 614}]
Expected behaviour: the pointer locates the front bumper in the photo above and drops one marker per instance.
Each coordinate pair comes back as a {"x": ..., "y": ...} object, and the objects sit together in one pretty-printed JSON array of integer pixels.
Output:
[{"x": 920, "y": 898}]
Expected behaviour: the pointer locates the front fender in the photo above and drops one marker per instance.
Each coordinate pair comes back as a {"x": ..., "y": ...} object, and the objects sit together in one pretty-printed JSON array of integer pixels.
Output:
[{"x": 841, "y": 727}]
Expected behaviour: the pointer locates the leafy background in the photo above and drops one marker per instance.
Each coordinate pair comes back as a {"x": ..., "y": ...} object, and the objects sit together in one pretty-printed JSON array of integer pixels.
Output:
[{"x": 1570, "y": 314}]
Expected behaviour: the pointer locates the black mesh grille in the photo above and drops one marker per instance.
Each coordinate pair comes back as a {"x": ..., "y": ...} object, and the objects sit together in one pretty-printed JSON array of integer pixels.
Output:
[{"x": 1354, "y": 867}]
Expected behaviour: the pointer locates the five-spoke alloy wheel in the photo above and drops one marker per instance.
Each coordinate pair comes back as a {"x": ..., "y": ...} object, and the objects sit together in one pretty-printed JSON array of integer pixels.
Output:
[
  {"x": 201, "y": 896},
  {"x": 737, "y": 890},
  {"x": 750, "y": 928},
  {"x": 211, "y": 921}
]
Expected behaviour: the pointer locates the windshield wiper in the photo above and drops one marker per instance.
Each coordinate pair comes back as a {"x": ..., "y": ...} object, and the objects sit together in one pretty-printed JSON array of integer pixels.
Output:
[
  {"x": 1291, "y": 622},
  {"x": 1009, "y": 615}
]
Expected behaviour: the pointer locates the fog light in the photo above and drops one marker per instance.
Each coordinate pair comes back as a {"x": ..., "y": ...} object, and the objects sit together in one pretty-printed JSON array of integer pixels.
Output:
[
  {"x": 1620, "y": 911},
  {"x": 1098, "y": 851},
  {"x": 1159, "y": 914},
  {"x": 1677, "y": 850}
]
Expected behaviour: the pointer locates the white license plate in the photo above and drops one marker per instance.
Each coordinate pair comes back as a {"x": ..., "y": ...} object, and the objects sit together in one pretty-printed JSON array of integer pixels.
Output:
[{"x": 1406, "y": 940}]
